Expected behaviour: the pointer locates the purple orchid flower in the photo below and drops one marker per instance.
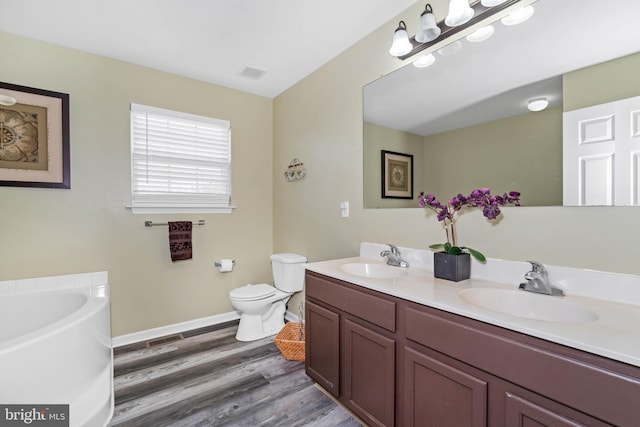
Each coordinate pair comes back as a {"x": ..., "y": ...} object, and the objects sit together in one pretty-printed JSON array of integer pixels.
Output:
[{"x": 479, "y": 198}]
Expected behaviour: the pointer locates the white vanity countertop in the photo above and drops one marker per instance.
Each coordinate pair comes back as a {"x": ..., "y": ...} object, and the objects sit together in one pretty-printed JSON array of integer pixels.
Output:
[{"x": 615, "y": 334}]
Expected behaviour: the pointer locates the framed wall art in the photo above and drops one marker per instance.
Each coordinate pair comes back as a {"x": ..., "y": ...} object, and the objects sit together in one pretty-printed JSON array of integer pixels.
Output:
[
  {"x": 397, "y": 175},
  {"x": 34, "y": 137}
]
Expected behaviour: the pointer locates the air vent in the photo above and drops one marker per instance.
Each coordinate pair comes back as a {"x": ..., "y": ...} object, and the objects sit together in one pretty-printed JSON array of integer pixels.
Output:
[
  {"x": 251, "y": 72},
  {"x": 165, "y": 340}
]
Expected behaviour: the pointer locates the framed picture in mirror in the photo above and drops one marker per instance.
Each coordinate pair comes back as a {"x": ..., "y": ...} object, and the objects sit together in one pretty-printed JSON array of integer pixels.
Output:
[{"x": 397, "y": 175}]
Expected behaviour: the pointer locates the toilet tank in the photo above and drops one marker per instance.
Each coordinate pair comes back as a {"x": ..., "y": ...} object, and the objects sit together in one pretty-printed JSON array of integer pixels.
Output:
[{"x": 288, "y": 271}]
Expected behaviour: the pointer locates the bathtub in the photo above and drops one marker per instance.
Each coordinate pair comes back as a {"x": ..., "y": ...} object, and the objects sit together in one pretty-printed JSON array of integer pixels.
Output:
[{"x": 55, "y": 348}]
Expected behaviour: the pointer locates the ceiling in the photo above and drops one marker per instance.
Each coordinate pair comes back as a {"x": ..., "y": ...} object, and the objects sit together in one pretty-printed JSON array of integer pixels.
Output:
[{"x": 208, "y": 40}]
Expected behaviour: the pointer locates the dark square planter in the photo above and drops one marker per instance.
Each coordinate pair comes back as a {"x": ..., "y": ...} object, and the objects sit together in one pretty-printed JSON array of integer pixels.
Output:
[{"x": 451, "y": 267}]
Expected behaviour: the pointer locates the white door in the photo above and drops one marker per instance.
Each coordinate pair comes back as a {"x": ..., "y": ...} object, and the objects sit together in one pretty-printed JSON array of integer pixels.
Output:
[{"x": 601, "y": 154}]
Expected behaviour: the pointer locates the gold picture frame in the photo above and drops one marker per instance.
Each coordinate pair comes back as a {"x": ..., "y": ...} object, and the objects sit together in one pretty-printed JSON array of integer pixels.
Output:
[
  {"x": 397, "y": 175},
  {"x": 34, "y": 137}
]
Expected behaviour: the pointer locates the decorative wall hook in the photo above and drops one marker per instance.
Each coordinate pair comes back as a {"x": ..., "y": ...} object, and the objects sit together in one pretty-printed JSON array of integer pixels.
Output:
[{"x": 295, "y": 171}]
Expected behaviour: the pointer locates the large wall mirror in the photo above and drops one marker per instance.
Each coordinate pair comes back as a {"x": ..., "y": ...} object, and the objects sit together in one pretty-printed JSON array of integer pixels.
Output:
[{"x": 465, "y": 121}]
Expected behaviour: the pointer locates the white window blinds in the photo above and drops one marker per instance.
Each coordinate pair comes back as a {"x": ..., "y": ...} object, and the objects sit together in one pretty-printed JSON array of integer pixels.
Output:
[{"x": 179, "y": 160}]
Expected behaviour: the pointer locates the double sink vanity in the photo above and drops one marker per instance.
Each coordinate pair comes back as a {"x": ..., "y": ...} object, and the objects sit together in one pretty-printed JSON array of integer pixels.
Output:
[{"x": 398, "y": 347}]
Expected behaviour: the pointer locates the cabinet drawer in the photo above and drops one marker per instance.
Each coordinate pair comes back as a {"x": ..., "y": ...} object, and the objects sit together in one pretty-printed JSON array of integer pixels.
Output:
[{"x": 360, "y": 303}]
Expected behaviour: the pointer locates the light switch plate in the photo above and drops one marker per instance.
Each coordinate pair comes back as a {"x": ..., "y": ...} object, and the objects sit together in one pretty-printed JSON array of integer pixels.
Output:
[{"x": 344, "y": 209}]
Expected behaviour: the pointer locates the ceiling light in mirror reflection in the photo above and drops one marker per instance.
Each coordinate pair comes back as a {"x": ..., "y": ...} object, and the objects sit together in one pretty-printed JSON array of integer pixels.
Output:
[
  {"x": 450, "y": 49},
  {"x": 491, "y": 3},
  {"x": 481, "y": 34},
  {"x": 518, "y": 16},
  {"x": 538, "y": 104},
  {"x": 424, "y": 61}
]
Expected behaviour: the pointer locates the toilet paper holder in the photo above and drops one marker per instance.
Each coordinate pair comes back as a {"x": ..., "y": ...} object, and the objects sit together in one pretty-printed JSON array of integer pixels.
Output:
[{"x": 219, "y": 264}]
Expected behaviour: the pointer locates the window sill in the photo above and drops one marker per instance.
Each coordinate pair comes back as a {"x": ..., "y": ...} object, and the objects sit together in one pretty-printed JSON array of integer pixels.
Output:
[{"x": 182, "y": 209}]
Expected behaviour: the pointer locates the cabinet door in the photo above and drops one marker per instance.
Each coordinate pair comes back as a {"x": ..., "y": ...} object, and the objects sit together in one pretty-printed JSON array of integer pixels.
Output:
[
  {"x": 436, "y": 394},
  {"x": 368, "y": 374},
  {"x": 521, "y": 412},
  {"x": 322, "y": 350}
]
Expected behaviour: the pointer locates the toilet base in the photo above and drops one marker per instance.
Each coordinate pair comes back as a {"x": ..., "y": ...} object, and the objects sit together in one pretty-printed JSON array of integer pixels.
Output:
[{"x": 256, "y": 326}]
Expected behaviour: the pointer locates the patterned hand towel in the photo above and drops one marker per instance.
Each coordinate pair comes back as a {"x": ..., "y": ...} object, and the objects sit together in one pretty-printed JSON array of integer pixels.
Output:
[{"x": 180, "y": 240}]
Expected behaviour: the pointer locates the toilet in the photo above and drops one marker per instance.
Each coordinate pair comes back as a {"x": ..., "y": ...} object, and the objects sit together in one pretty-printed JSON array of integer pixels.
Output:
[{"x": 262, "y": 307}]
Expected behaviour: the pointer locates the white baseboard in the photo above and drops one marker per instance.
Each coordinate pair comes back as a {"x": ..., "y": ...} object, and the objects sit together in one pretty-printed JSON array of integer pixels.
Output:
[
  {"x": 176, "y": 328},
  {"x": 289, "y": 316},
  {"x": 154, "y": 333}
]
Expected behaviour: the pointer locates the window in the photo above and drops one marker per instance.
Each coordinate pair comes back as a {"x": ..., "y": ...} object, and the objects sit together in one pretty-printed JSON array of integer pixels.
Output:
[{"x": 180, "y": 162}]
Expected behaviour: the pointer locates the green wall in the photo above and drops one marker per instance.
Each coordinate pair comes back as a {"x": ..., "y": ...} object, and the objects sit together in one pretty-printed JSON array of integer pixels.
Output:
[
  {"x": 382, "y": 138},
  {"x": 606, "y": 82},
  {"x": 48, "y": 232},
  {"x": 521, "y": 153}
]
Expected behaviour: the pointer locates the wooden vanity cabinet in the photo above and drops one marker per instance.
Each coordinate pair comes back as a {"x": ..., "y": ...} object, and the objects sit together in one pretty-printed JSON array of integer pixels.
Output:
[
  {"x": 395, "y": 362},
  {"x": 361, "y": 372},
  {"x": 439, "y": 390},
  {"x": 529, "y": 379}
]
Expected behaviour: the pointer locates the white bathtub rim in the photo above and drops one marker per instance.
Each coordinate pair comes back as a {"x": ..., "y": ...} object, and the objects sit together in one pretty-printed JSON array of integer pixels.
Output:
[
  {"x": 107, "y": 403},
  {"x": 94, "y": 302}
]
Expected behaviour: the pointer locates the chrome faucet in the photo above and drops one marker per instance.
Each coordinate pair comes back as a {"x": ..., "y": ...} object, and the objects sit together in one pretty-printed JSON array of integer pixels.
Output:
[
  {"x": 538, "y": 281},
  {"x": 393, "y": 256}
]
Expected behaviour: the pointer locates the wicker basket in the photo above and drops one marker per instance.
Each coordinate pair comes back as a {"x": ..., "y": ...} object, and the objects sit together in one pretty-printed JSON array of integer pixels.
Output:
[{"x": 288, "y": 343}]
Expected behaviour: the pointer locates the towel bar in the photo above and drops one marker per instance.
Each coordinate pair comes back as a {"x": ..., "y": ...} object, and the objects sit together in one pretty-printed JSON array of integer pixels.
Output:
[{"x": 153, "y": 224}]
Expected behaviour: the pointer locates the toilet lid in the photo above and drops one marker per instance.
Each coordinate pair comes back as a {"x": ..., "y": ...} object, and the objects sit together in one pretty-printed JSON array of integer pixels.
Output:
[{"x": 251, "y": 292}]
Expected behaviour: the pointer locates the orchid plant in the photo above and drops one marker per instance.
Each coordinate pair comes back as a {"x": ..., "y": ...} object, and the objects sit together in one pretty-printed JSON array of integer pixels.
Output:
[{"x": 480, "y": 198}]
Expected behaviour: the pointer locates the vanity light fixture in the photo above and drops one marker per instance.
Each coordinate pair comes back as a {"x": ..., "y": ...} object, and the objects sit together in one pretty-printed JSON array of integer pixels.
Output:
[
  {"x": 7, "y": 100},
  {"x": 481, "y": 34},
  {"x": 538, "y": 104},
  {"x": 459, "y": 13},
  {"x": 460, "y": 18},
  {"x": 518, "y": 16},
  {"x": 429, "y": 30},
  {"x": 401, "y": 44}
]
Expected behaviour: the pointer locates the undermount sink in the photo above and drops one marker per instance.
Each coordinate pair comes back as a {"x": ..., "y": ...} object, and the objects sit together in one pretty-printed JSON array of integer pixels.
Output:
[
  {"x": 373, "y": 271},
  {"x": 528, "y": 305}
]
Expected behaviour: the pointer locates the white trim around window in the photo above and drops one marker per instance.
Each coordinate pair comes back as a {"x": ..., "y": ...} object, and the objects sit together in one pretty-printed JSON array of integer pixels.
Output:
[{"x": 180, "y": 163}]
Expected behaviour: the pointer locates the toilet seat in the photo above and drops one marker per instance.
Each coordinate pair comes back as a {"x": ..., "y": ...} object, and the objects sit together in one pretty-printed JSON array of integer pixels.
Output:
[{"x": 253, "y": 292}]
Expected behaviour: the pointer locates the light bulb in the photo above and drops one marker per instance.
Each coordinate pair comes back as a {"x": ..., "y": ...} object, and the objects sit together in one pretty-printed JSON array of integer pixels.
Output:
[
  {"x": 428, "y": 30},
  {"x": 518, "y": 16},
  {"x": 450, "y": 49},
  {"x": 481, "y": 34},
  {"x": 459, "y": 13},
  {"x": 424, "y": 61},
  {"x": 401, "y": 44},
  {"x": 491, "y": 3}
]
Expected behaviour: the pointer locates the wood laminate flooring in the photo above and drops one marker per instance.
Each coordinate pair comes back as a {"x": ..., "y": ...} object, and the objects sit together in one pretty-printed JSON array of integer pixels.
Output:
[{"x": 207, "y": 378}]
